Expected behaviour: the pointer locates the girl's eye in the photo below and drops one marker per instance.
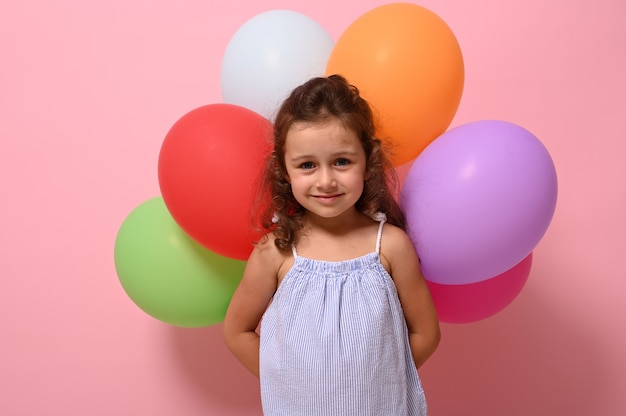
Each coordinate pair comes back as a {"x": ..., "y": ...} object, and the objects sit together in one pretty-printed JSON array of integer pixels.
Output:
[
  {"x": 342, "y": 162},
  {"x": 307, "y": 165}
]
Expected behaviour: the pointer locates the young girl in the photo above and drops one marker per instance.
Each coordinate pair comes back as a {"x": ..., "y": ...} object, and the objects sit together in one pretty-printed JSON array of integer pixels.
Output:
[{"x": 350, "y": 318}]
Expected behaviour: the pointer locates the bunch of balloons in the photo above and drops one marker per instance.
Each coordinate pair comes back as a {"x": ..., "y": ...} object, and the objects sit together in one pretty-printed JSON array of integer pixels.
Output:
[
  {"x": 478, "y": 197},
  {"x": 478, "y": 200}
]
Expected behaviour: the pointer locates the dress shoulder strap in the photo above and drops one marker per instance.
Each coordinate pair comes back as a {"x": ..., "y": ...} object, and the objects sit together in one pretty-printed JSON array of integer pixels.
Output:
[
  {"x": 293, "y": 250},
  {"x": 382, "y": 218}
]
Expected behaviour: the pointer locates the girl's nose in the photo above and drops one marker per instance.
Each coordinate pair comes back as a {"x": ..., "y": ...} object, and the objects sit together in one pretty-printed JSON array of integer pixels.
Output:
[{"x": 326, "y": 179}]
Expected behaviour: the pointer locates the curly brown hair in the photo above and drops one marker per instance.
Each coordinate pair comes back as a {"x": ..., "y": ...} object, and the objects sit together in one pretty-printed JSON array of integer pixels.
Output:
[{"x": 319, "y": 100}]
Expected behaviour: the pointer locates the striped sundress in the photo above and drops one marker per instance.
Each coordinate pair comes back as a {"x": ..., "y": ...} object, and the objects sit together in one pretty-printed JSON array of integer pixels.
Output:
[{"x": 334, "y": 343}]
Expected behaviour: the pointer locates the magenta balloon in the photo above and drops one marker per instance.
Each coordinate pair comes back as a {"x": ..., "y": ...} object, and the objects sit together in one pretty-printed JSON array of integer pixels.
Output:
[
  {"x": 460, "y": 304},
  {"x": 478, "y": 199}
]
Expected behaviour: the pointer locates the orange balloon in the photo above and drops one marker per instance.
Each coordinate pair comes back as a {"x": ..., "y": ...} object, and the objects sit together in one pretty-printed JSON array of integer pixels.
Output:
[{"x": 408, "y": 65}]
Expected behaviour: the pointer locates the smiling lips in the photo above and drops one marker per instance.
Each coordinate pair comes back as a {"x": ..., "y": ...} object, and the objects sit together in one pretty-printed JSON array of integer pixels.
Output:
[{"x": 326, "y": 198}]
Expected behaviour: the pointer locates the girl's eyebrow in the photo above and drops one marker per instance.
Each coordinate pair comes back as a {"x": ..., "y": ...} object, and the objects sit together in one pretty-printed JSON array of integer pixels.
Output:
[
  {"x": 300, "y": 158},
  {"x": 342, "y": 153},
  {"x": 345, "y": 153}
]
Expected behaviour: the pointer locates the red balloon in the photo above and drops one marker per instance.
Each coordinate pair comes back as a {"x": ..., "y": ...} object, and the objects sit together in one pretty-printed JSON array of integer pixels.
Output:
[
  {"x": 208, "y": 167},
  {"x": 476, "y": 301}
]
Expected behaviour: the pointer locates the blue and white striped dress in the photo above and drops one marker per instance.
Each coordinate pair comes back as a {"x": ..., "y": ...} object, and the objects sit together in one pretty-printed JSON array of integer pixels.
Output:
[{"x": 334, "y": 343}]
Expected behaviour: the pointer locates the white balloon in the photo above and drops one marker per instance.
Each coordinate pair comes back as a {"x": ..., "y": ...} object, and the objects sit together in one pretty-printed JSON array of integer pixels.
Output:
[{"x": 271, "y": 54}]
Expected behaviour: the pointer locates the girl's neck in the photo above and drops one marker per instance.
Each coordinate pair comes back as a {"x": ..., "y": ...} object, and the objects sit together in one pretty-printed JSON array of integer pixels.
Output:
[
  {"x": 348, "y": 236},
  {"x": 337, "y": 225}
]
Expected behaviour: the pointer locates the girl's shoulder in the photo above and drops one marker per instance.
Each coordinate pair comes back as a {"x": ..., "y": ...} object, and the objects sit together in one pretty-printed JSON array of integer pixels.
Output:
[
  {"x": 395, "y": 244},
  {"x": 393, "y": 234},
  {"x": 267, "y": 255},
  {"x": 266, "y": 247}
]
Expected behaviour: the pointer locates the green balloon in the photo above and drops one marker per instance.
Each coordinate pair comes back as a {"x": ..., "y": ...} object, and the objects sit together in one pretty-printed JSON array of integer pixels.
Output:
[{"x": 167, "y": 274}]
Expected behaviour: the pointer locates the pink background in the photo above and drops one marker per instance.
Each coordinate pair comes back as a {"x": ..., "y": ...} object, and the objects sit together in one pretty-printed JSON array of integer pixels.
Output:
[{"x": 88, "y": 90}]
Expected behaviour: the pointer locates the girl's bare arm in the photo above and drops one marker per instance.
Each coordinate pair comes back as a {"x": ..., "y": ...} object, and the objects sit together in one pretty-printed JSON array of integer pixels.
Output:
[
  {"x": 249, "y": 302},
  {"x": 417, "y": 304}
]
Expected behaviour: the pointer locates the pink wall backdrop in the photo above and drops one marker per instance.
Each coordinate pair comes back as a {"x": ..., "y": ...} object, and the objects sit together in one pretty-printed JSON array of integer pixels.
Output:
[{"x": 88, "y": 91}]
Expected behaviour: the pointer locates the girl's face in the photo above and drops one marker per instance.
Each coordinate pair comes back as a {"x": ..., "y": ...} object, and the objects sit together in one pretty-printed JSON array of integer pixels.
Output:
[{"x": 326, "y": 167}]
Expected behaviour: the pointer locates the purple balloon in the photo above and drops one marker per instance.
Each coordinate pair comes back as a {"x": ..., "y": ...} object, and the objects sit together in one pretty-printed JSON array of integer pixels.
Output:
[{"x": 478, "y": 200}]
